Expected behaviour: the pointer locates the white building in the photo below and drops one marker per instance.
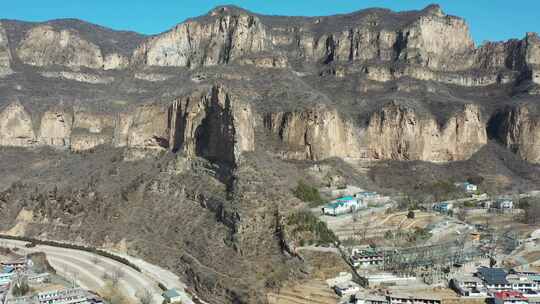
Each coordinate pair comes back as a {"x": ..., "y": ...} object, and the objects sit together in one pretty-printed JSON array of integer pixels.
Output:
[
  {"x": 367, "y": 298},
  {"x": 366, "y": 256},
  {"x": 385, "y": 278},
  {"x": 412, "y": 299},
  {"x": 5, "y": 278},
  {"x": 467, "y": 187},
  {"x": 503, "y": 204},
  {"x": 521, "y": 283},
  {"x": 346, "y": 288},
  {"x": 469, "y": 286},
  {"x": 65, "y": 296},
  {"x": 347, "y": 204}
]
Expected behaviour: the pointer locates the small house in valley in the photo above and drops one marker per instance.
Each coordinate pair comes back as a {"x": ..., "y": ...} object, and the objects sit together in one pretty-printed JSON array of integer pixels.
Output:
[
  {"x": 177, "y": 296},
  {"x": 443, "y": 207},
  {"x": 343, "y": 205},
  {"x": 503, "y": 204},
  {"x": 467, "y": 187}
]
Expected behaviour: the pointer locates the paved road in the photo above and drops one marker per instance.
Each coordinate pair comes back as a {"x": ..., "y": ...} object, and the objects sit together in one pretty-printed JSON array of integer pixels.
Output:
[{"x": 89, "y": 270}]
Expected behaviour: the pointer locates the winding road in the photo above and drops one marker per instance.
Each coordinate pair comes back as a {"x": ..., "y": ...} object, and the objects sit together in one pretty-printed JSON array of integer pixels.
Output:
[{"x": 89, "y": 270}]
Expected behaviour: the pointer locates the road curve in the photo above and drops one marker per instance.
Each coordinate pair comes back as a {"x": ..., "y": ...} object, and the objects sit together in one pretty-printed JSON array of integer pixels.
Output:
[{"x": 88, "y": 269}]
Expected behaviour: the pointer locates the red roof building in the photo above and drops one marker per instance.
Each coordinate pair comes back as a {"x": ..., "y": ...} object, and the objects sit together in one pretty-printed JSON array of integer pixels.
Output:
[{"x": 510, "y": 297}]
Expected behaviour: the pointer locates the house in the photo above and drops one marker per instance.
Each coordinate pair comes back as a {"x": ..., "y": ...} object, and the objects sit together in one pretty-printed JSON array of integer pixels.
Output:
[
  {"x": 503, "y": 204},
  {"x": 533, "y": 276},
  {"x": 385, "y": 278},
  {"x": 7, "y": 269},
  {"x": 347, "y": 204},
  {"x": 522, "y": 283},
  {"x": 366, "y": 195},
  {"x": 412, "y": 299},
  {"x": 494, "y": 278},
  {"x": 468, "y": 286},
  {"x": 65, "y": 296},
  {"x": 346, "y": 288},
  {"x": 509, "y": 297},
  {"x": 5, "y": 278},
  {"x": 365, "y": 257},
  {"x": 467, "y": 187},
  {"x": 443, "y": 207},
  {"x": 176, "y": 296},
  {"x": 16, "y": 264},
  {"x": 367, "y": 298}
]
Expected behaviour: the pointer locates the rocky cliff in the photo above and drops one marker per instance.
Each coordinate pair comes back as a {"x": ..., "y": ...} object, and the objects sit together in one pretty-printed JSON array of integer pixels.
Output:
[
  {"x": 207, "y": 41},
  {"x": 518, "y": 128},
  {"x": 186, "y": 137},
  {"x": 210, "y": 124},
  {"x": 5, "y": 53},
  {"x": 372, "y": 46},
  {"x": 395, "y": 132}
]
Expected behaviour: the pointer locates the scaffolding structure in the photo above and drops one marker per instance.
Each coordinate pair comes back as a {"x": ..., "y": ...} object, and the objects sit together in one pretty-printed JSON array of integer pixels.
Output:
[{"x": 431, "y": 262}]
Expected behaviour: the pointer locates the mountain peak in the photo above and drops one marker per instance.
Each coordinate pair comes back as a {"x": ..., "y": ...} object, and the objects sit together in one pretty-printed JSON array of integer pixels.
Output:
[
  {"x": 227, "y": 10},
  {"x": 434, "y": 9}
]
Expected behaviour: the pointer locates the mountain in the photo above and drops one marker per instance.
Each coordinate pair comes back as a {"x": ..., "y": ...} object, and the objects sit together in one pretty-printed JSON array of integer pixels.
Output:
[{"x": 182, "y": 147}]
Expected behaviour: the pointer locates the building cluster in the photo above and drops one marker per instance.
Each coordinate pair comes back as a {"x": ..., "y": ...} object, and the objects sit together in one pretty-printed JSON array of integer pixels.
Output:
[
  {"x": 499, "y": 285},
  {"x": 353, "y": 293},
  {"x": 489, "y": 285},
  {"x": 64, "y": 296},
  {"x": 497, "y": 205},
  {"x": 366, "y": 256},
  {"x": 351, "y": 203},
  {"x": 14, "y": 273}
]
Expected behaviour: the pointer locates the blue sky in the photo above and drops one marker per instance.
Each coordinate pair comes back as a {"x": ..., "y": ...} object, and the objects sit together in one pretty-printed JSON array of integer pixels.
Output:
[{"x": 488, "y": 19}]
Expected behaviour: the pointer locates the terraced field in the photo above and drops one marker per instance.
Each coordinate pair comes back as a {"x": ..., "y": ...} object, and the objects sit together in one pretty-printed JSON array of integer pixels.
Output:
[{"x": 311, "y": 292}]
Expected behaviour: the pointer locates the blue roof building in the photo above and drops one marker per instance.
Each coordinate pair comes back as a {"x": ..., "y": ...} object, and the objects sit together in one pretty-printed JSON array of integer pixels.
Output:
[
  {"x": 342, "y": 205},
  {"x": 443, "y": 207},
  {"x": 8, "y": 269}
]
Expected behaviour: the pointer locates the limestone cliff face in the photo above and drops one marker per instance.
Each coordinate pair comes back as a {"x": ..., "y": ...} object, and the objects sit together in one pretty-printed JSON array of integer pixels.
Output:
[
  {"x": 315, "y": 134},
  {"x": 16, "y": 126},
  {"x": 55, "y": 128},
  {"x": 516, "y": 128},
  {"x": 395, "y": 132},
  {"x": 426, "y": 45},
  {"x": 148, "y": 127},
  {"x": 399, "y": 133},
  {"x": 45, "y": 46},
  {"x": 194, "y": 43},
  {"x": 91, "y": 130},
  {"x": 214, "y": 125},
  {"x": 431, "y": 39},
  {"x": 436, "y": 41},
  {"x": 5, "y": 53}
]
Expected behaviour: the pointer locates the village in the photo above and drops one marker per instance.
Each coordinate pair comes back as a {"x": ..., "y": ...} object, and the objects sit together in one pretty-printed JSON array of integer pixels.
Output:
[
  {"x": 471, "y": 249},
  {"x": 28, "y": 279},
  {"x": 27, "y": 276}
]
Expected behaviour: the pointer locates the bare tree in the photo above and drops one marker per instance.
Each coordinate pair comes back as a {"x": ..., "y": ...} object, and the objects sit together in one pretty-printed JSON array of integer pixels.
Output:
[{"x": 144, "y": 296}]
